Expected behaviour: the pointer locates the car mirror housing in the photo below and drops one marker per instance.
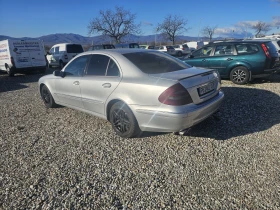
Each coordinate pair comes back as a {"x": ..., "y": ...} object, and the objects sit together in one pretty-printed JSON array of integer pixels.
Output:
[
  {"x": 59, "y": 73},
  {"x": 190, "y": 56}
]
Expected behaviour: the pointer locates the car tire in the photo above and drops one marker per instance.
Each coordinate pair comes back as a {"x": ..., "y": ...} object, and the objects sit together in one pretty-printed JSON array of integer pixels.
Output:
[
  {"x": 239, "y": 75},
  {"x": 179, "y": 54},
  {"x": 10, "y": 71},
  {"x": 47, "y": 97},
  {"x": 49, "y": 65},
  {"x": 61, "y": 65},
  {"x": 123, "y": 120}
]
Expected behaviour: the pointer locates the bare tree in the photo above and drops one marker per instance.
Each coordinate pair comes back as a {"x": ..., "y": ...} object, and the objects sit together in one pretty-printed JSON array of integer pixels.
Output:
[
  {"x": 115, "y": 24},
  {"x": 172, "y": 26},
  {"x": 261, "y": 27},
  {"x": 209, "y": 31}
]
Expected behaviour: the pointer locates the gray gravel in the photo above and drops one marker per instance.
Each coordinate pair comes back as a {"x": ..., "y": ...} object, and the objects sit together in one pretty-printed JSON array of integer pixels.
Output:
[{"x": 64, "y": 159}]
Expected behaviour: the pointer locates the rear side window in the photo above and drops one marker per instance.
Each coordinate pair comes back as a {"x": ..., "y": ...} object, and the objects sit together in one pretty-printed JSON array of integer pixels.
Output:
[
  {"x": 246, "y": 48},
  {"x": 98, "y": 65},
  {"x": 155, "y": 63},
  {"x": 151, "y": 47},
  {"x": 74, "y": 48}
]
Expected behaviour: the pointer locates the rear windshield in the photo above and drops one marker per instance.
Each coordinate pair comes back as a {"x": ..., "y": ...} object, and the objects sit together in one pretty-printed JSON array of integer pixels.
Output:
[
  {"x": 74, "y": 48},
  {"x": 155, "y": 62},
  {"x": 272, "y": 49}
]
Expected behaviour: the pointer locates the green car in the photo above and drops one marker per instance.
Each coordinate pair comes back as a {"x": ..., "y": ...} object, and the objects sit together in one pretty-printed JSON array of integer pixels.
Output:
[{"x": 240, "y": 61}]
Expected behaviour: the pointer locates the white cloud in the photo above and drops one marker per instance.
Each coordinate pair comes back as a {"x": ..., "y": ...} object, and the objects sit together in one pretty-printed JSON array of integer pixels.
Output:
[{"x": 276, "y": 21}]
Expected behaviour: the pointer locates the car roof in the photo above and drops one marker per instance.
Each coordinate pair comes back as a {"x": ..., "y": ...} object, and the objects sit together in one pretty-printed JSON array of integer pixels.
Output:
[
  {"x": 115, "y": 51},
  {"x": 240, "y": 41}
]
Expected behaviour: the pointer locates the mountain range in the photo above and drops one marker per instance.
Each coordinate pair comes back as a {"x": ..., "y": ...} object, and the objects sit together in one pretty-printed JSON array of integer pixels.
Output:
[{"x": 52, "y": 39}]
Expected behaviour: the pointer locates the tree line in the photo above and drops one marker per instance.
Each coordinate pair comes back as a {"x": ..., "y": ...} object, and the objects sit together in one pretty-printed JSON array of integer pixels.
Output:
[{"x": 120, "y": 22}]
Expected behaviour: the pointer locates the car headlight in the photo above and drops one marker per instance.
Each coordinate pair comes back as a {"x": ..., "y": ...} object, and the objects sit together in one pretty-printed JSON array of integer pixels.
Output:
[{"x": 217, "y": 75}]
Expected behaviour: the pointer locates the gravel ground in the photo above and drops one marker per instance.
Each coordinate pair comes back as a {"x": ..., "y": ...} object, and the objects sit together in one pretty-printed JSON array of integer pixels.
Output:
[{"x": 64, "y": 159}]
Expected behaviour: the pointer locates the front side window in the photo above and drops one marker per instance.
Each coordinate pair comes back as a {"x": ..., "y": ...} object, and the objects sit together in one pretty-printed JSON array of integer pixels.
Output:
[
  {"x": 56, "y": 50},
  {"x": 98, "y": 65},
  {"x": 203, "y": 52},
  {"x": 155, "y": 62},
  {"x": 223, "y": 50},
  {"x": 77, "y": 66},
  {"x": 52, "y": 51}
]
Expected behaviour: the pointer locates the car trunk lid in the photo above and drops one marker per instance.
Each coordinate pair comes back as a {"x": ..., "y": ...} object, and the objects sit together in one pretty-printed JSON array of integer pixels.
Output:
[{"x": 202, "y": 84}]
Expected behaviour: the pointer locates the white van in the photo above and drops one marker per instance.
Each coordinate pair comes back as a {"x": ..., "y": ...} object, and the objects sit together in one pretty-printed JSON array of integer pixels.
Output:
[
  {"x": 61, "y": 54},
  {"x": 20, "y": 55},
  {"x": 195, "y": 45}
]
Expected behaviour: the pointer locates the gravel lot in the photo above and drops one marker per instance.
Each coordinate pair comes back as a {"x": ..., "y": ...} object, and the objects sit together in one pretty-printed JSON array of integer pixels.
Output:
[{"x": 64, "y": 159}]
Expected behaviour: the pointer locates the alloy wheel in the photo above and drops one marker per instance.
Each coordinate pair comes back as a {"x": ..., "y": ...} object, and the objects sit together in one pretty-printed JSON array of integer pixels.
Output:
[
  {"x": 239, "y": 76},
  {"x": 121, "y": 121}
]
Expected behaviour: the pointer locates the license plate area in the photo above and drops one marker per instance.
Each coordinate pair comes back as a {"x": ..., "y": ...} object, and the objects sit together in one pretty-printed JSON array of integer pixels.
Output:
[{"x": 207, "y": 88}]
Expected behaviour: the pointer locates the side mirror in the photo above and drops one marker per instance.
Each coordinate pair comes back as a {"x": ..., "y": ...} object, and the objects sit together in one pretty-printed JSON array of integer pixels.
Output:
[
  {"x": 48, "y": 53},
  {"x": 278, "y": 51},
  {"x": 59, "y": 73},
  {"x": 190, "y": 56}
]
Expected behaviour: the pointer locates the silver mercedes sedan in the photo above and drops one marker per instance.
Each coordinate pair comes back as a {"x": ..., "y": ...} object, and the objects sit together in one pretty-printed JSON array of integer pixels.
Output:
[{"x": 135, "y": 90}]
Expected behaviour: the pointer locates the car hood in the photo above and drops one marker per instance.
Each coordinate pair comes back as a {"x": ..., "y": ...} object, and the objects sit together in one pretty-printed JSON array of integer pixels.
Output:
[{"x": 185, "y": 73}]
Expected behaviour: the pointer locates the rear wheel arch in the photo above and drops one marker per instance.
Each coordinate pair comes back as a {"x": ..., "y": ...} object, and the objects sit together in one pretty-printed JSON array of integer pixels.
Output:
[{"x": 109, "y": 106}]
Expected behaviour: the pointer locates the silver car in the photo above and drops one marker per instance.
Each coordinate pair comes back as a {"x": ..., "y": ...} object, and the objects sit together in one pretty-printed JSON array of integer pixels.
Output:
[{"x": 135, "y": 89}]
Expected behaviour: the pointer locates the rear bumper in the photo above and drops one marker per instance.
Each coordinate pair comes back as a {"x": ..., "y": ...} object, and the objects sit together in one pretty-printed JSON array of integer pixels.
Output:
[
  {"x": 159, "y": 121},
  {"x": 36, "y": 68},
  {"x": 268, "y": 72}
]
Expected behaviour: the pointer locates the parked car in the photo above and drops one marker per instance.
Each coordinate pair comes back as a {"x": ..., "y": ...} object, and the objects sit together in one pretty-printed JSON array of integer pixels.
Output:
[
  {"x": 127, "y": 45},
  {"x": 61, "y": 54},
  {"x": 182, "y": 49},
  {"x": 240, "y": 61},
  {"x": 17, "y": 56},
  {"x": 101, "y": 46},
  {"x": 106, "y": 83},
  {"x": 150, "y": 47},
  {"x": 166, "y": 49},
  {"x": 195, "y": 45}
]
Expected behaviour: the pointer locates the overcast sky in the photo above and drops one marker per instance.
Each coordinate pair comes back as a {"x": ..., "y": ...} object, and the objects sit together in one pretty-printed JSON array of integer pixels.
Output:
[{"x": 31, "y": 18}]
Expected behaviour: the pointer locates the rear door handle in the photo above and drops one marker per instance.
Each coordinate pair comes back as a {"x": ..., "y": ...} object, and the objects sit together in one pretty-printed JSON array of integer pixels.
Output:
[
  {"x": 229, "y": 59},
  {"x": 204, "y": 60},
  {"x": 106, "y": 85},
  {"x": 76, "y": 83}
]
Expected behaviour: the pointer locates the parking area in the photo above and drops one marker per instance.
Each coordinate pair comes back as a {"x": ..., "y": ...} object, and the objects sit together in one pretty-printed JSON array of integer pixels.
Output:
[{"x": 65, "y": 159}]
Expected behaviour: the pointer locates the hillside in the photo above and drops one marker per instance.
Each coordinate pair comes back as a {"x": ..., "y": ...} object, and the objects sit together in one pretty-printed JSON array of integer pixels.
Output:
[{"x": 52, "y": 39}]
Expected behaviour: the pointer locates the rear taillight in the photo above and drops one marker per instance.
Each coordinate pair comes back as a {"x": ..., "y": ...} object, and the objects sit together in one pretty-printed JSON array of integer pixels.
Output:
[
  {"x": 183, "y": 48},
  {"x": 176, "y": 95},
  {"x": 12, "y": 61},
  {"x": 266, "y": 52}
]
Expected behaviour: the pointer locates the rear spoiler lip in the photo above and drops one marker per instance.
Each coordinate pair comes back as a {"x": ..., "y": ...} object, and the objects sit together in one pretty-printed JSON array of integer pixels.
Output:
[{"x": 202, "y": 74}]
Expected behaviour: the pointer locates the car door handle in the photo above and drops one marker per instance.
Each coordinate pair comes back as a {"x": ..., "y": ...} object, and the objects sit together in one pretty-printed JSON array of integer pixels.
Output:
[
  {"x": 204, "y": 60},
  {"x": 106, "y": 85},
  {"x": 229, "y": 59},
  {"x": 76, "y": 83}
]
